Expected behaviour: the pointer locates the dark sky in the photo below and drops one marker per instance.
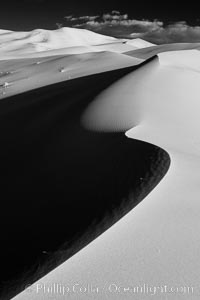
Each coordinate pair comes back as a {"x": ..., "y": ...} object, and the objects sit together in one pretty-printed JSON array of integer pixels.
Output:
[{"x": 31, "y": 14}]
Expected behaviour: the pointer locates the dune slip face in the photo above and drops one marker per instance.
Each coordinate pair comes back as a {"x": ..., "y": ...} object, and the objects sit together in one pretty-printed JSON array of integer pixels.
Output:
[{"x": 95, "y": 178}]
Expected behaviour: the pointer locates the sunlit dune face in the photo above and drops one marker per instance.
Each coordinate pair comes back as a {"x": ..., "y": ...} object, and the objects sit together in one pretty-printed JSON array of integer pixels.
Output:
[
  {"x": 161, "y": 96},
  {"x": 118, "y": 108}
]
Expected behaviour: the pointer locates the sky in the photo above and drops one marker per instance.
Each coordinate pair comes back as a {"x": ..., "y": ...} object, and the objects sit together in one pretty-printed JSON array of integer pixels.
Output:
[{"x": 164, "y": 17}]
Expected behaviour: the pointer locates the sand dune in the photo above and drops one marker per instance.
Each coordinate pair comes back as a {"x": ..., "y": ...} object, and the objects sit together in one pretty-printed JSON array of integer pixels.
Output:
[
  {"x": 148, "y": 52},
  {"x": 66, "y": 40},
  {"x": 116, "y": 47},
  {"x": 155, "y": 247},
  {"x": 139, "y": 43},
  {"x": 45, "y": 149},
  {"x": 20, "y": 75},
  {"x": 41, "y": 39},
  {"x": 30, "y": 60},
  {"x": 63, "y": 41},
  {"x": 157, "y": 240}
]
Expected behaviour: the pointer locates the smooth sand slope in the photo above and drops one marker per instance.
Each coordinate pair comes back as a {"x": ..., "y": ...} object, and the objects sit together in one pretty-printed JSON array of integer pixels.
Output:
[
  {"x": 156, "y": 245},
  {"x": 21, "y": 75}
]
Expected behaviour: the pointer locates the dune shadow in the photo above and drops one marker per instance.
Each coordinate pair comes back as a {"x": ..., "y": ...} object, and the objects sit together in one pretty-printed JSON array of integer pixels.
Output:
[{"x": 69, "y": 184}]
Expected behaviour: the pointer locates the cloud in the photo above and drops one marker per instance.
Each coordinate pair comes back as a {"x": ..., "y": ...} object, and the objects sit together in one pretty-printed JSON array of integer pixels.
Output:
[
  {"x": 179, "y": 32},
  {"x": 114, "y": 16},
  {"x": 120, "y": 25},
  {"x": 82, "y": 18},
  {"x": 116, "y": 12},
  {"x": 68, "y": 18}
]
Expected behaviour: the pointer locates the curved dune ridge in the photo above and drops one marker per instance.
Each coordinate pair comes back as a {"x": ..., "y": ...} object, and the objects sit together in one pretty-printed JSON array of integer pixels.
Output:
[
  {"x": 154, "y": 249},
  {"x": 144, "y": 100},
  {"x": 162, "y": 106}
]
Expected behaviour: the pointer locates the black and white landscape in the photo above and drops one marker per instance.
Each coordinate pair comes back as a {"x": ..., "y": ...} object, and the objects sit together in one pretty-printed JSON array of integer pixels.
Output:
[{"x": 100, "y": 145}]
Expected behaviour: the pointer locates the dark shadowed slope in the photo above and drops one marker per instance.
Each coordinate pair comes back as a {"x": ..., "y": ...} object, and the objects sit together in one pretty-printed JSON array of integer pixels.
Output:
[{"x": 72, "y": 184}]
